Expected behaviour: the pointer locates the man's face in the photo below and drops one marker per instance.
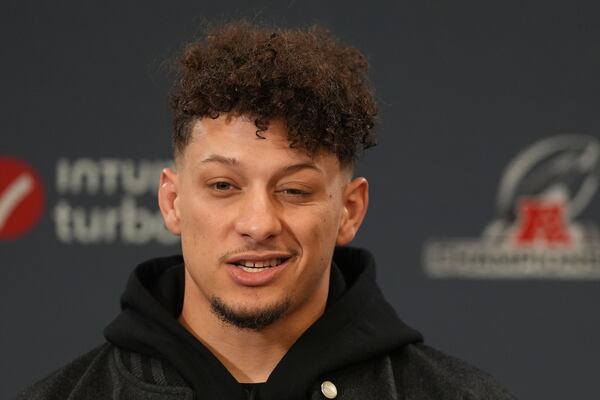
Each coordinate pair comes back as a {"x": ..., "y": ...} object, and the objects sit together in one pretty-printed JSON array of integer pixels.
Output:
[{"x": 258, "y": 220}]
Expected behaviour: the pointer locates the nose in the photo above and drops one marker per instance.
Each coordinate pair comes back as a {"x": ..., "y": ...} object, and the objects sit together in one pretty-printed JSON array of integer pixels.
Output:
[{"x": 258, "y": 218}]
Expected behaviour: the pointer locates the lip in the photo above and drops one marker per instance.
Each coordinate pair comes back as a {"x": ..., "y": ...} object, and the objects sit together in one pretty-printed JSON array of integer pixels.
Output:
[
  {"x": 262, "y": 278},
  {"x": 258, "y": 257}
]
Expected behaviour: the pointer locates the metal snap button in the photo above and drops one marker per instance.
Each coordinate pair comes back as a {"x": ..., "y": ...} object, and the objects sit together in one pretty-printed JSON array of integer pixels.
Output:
[{"x": 329, "y": 390}]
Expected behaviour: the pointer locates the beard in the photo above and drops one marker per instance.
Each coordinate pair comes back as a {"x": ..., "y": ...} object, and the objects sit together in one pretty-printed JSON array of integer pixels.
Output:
[{"x": 248, "y": 318}]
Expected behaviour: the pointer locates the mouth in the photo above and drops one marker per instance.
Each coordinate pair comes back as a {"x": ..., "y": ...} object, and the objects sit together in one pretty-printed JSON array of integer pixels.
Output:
[
  {"x": 258, "y": 266},
  {"x": 257, "y": 270}
]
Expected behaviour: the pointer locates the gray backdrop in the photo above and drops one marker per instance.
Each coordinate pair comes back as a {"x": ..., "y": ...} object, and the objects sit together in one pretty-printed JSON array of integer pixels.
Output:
[{"x": 463, "y": 88}]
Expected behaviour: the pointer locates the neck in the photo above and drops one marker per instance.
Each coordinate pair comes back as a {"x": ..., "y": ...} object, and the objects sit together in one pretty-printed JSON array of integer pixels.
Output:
[{"x": 249, "y": 355}]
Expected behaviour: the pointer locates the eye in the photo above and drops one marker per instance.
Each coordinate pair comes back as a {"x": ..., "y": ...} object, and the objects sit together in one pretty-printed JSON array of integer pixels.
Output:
[
  {"x": 295, "y": 192},
  {"x": 221, "y": 186}
]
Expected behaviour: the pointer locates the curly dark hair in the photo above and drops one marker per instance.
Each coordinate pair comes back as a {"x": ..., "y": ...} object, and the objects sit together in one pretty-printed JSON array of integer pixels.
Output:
[{"x": 316, "y": 85}]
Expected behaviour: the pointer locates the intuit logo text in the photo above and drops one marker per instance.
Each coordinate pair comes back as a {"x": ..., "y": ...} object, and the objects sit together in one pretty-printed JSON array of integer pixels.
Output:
[{"x": 101, "y": 201}]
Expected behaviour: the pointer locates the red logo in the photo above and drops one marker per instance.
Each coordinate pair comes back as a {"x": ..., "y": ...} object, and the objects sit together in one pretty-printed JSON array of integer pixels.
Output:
[
  {"x": 543, "y": 221},
  {"x": 21, "y": 198}
]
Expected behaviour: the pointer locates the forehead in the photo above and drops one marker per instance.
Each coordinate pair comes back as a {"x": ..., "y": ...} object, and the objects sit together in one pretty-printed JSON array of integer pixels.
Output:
[
  {"x": 227, "y": 130},
  {"x": 235, "y": 137}
]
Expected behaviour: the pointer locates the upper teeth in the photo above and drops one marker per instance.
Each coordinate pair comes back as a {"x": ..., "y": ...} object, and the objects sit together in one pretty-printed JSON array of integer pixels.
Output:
[{"x": 260, "y": 264}]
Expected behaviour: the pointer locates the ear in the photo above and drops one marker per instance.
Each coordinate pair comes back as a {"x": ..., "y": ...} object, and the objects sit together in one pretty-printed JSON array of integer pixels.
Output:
[
  {"x": 168, "y": 200},
  {"x": 356, "y": 202}
]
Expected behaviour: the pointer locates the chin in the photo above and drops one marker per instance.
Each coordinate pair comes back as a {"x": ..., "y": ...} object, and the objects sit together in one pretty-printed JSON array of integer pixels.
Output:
[{"x": 252, "y": 318}]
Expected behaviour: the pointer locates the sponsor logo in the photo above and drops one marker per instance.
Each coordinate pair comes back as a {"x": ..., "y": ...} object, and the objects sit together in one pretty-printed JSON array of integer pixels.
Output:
[
  {"x": 538, "y": 231},
  {"x": 99, "y": 201},
  {"x": 21, "y": 198},
  {"x": 109, "y": 200}
]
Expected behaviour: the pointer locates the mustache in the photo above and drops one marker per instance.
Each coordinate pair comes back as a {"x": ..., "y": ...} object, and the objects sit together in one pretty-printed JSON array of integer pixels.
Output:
[{"x": 249, "y": 248}]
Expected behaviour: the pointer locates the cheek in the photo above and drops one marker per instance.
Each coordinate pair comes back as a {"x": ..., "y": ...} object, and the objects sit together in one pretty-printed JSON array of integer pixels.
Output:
[
  {"x": 319, "y": 226},
  {"x": 200, "y": 222},
  {"x": 331, "y": 215}
]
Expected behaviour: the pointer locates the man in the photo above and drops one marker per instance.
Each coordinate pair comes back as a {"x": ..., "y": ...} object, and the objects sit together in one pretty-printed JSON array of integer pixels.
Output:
[{"x": 266, "y": 302}]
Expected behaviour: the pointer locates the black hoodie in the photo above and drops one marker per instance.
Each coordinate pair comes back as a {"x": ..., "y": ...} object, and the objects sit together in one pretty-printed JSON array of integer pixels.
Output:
[
  {"x": 357, "y": 325},
  {"x": 358, "y": 343}
]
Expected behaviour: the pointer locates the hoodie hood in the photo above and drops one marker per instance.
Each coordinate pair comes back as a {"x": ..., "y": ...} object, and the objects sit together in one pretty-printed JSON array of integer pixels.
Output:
[{"x": 358, "y": 324}]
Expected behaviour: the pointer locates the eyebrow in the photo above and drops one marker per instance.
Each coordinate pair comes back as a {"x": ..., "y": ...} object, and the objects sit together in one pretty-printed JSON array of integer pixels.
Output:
[
  {"x": 234, "y": 162},
  {"x": 220, "y": 159}
]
